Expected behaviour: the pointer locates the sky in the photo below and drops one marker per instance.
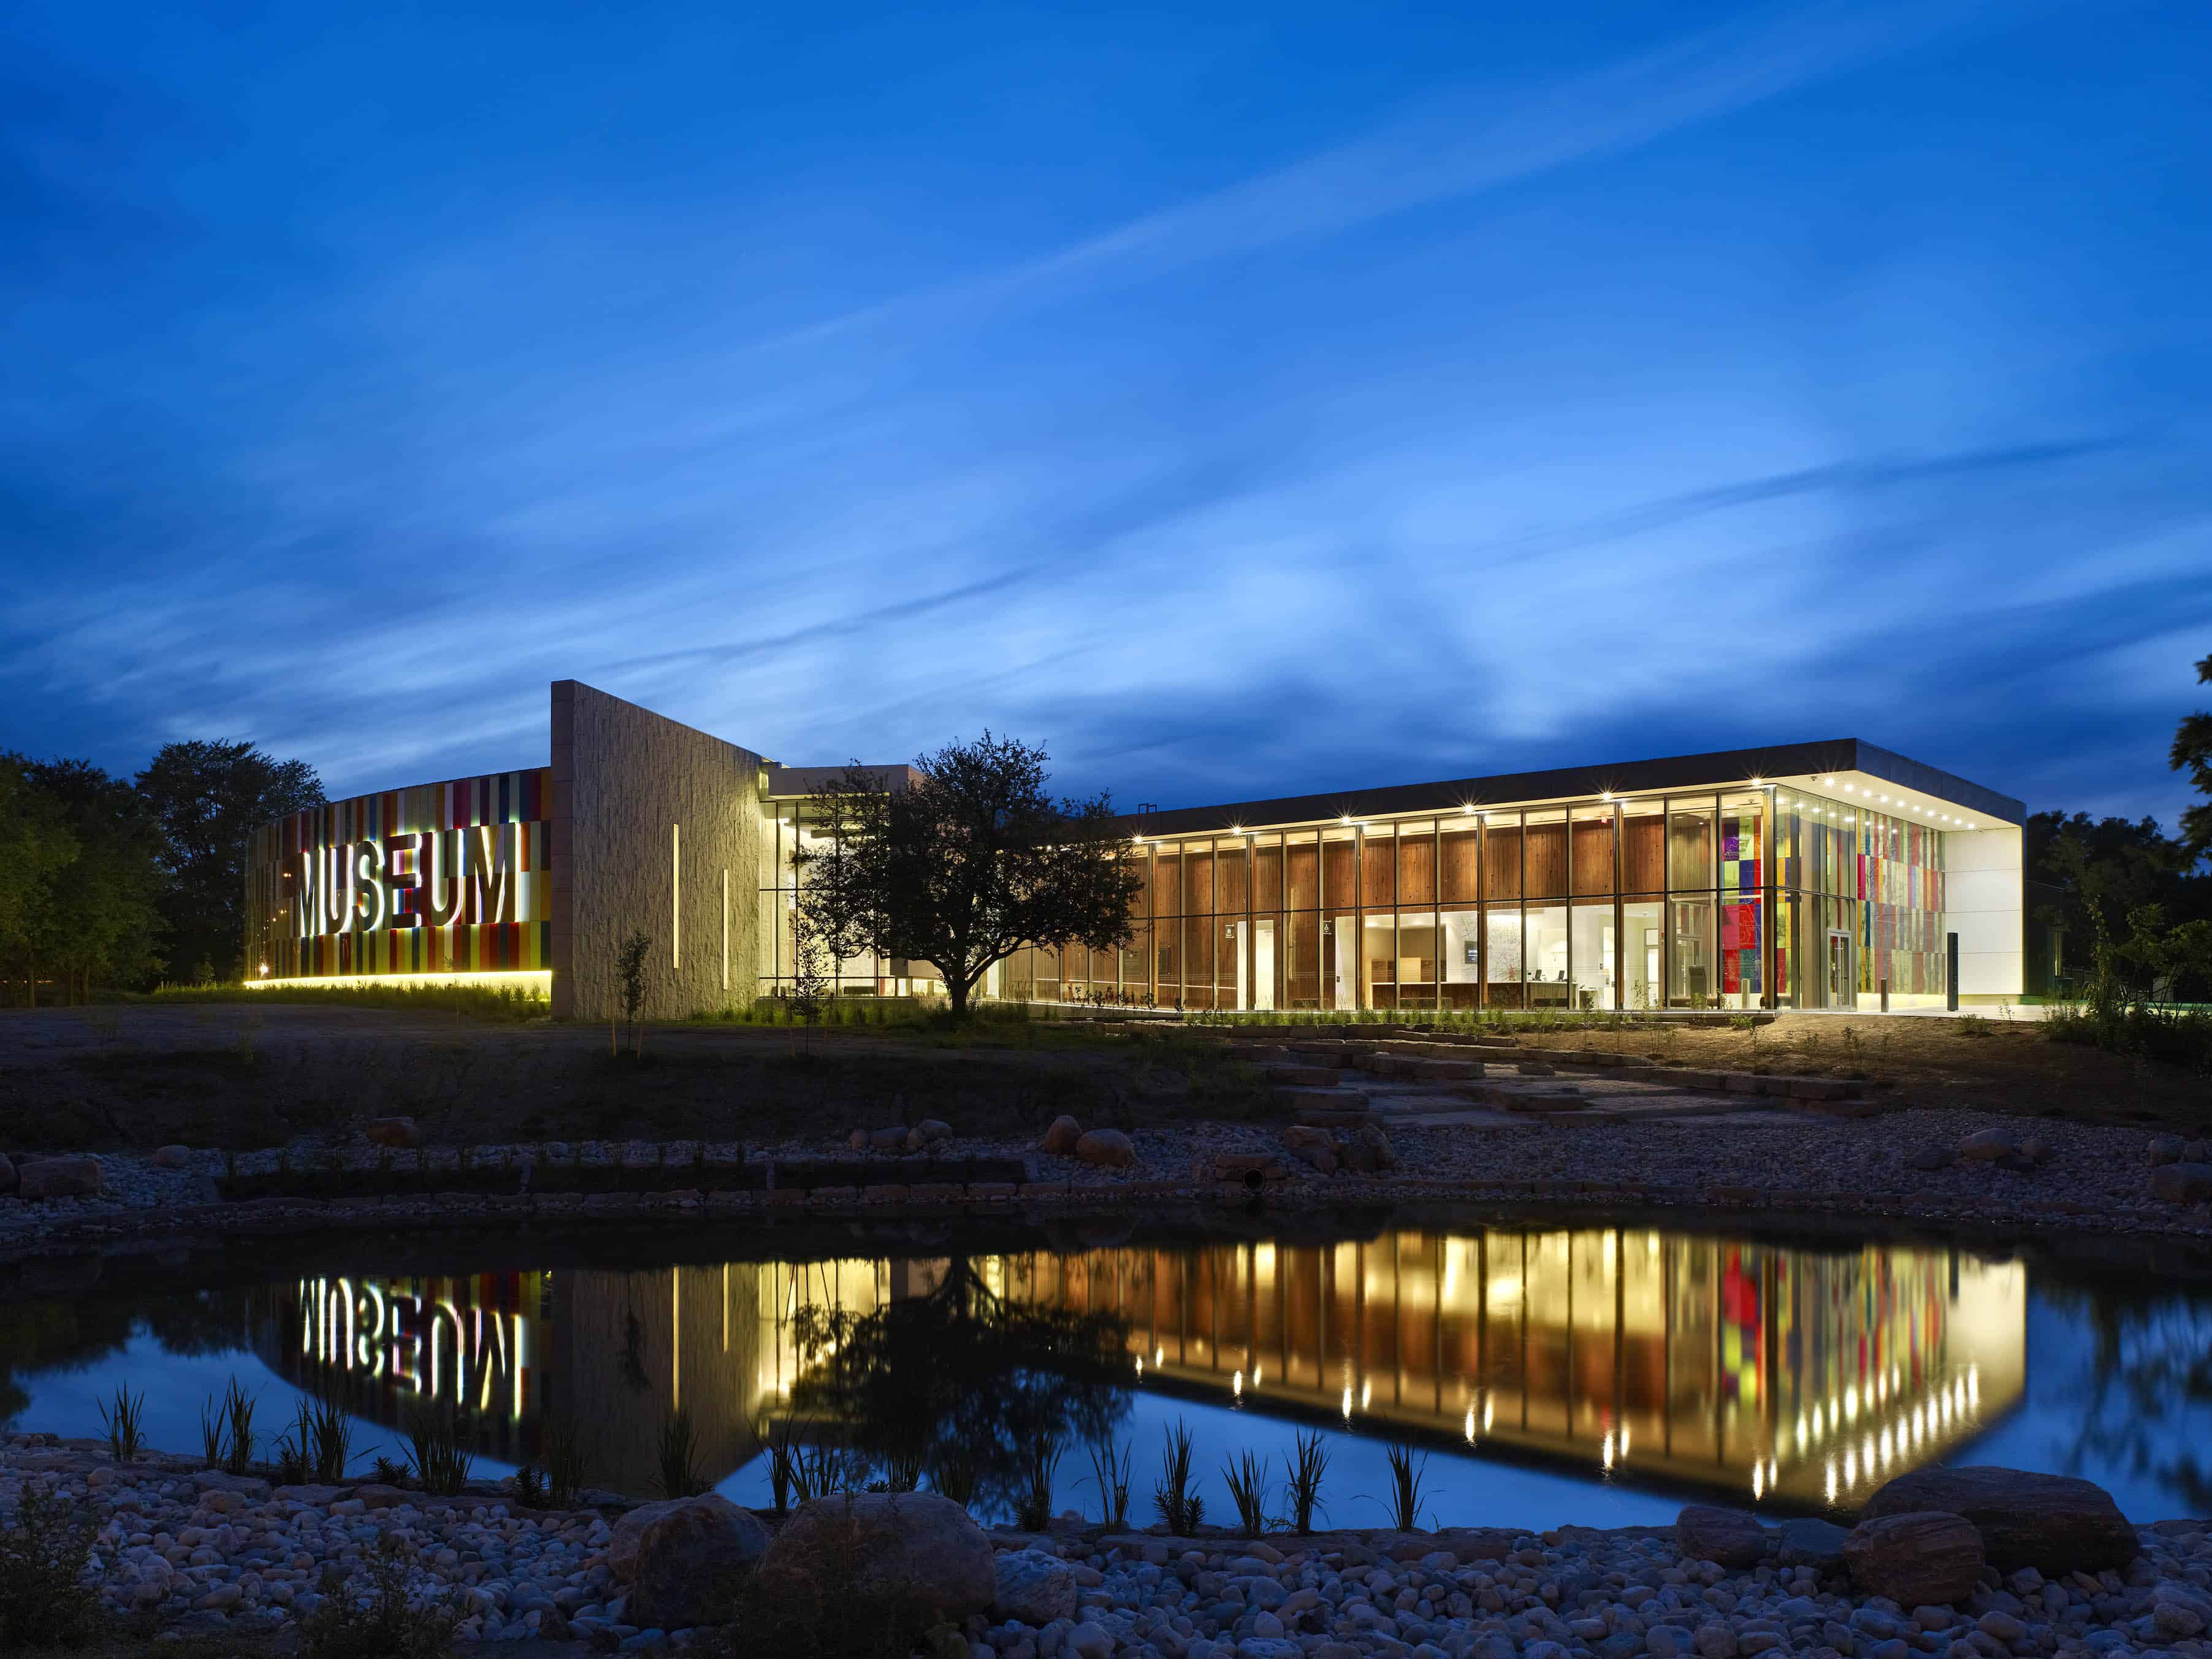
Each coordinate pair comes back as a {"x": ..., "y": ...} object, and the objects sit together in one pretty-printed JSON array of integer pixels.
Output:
[{"x": 1240, "y": 400}]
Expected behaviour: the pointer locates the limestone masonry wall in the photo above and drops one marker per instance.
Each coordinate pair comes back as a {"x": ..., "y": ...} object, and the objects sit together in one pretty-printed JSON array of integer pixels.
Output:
[{"x": 656, "y": 827}]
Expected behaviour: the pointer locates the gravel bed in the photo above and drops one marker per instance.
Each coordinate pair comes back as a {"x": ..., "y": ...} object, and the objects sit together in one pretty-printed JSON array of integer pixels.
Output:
[{"x": 200, "y": 1550}]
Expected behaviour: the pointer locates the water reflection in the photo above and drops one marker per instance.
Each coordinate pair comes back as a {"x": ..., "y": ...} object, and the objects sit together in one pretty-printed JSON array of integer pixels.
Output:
[{"x": 1805, "y": 1377}]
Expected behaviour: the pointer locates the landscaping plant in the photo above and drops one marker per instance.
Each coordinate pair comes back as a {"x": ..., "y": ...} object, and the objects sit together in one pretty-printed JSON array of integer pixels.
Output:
[
  {"x": 43, "y": 1557},
  {"x": 1306, "y": 1466},
  {"x": 1180, "y": 1507},
  {"x": 382, "y": 1623},
  {"x": 124, "y": 1422}
]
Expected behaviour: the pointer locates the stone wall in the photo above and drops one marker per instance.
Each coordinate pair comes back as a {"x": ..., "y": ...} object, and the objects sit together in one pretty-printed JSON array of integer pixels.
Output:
[{"x": 657, "y": 829}]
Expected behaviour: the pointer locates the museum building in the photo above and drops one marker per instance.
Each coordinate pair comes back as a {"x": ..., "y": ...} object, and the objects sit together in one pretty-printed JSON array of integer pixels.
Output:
[{"x": 1833, "y": 875}]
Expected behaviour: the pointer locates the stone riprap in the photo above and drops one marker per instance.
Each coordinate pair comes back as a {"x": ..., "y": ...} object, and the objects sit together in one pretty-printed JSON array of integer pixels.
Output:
[
  {"x": 203, "y": 1550},
  {"x": 2083, "y": 1177}
]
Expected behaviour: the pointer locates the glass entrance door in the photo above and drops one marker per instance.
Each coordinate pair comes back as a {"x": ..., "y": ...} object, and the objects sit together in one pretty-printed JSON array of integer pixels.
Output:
[{"x": 1841, "y": 986}]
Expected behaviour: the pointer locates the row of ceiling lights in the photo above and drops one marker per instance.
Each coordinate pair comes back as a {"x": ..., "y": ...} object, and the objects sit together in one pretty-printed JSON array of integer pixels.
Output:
[{"x": 1900, "y": 803}]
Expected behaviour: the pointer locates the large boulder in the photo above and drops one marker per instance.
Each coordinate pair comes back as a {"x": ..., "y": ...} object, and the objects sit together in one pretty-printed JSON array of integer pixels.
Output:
[
  {"x": 2052, "y": 1522},
  {"x": 1034, "y": 1588},
  {"x": 1061, "y": 1137},
  {"x": 1810, "y": 1542},
  {"x": 1733, "y": 1538},
  {"x": 394, "y": 1132},
  {"x": 1927, "y": 1559},
  {"x": 1108, "y": 1148},
  {"x": 688, "y": 1561},
  {"x": 58, "y": 1177},
  {"x": 1987, "y": 1145},
  {"x": 2181, "y": 1184},
  {"x": 172, "y": 1156},
  {"x": 621, "y": 1551},
  {"x": 1316, "y": 1146},
  {"x": 914, "y": 1547}
]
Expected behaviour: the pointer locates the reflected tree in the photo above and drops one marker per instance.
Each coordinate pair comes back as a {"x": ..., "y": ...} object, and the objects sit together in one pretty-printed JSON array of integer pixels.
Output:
[
  {"x": 964, "y": 1382},
  {"x": 2147, "y": 1394}
]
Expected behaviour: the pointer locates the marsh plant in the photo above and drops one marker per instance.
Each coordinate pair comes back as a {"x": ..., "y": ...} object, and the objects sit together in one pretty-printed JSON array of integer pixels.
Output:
[
  {"x": 564, "y": 1465},
  {"x": 1246, "y": 1475},
  {"x": 1306, "y": 1465},
  {"x": 1408, "y": 1478},
  {"x": 678, "y": 1457},
  {"x": 124, "y": 1422},
  {"x": 440, "y": 1462},
  {"x": 1033, "y": 1513},
  {"x": 1110, "y": 1471},
  {"x": 1178, "y": 1503}
]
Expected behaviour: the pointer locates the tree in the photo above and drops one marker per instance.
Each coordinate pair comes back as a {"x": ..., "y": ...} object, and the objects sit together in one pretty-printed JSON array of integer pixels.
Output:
[
  {"x": 208, "y": 798},
  {"x": 35, "y": 846},
  {"x": 965, "y": 864},
  {"x": 2193, "y": 753},
  {"x": 629, "y": 975},
  {"x": 103, "y": 919}
]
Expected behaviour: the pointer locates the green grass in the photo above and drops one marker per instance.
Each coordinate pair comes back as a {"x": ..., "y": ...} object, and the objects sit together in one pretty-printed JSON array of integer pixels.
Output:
[{"x": 510, "y": 1004}]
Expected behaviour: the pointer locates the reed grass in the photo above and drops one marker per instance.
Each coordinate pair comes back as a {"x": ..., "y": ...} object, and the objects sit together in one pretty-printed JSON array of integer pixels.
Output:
[
  {"x": 1408, "y": 1480},
  {"x": 1247, "y": 1477},
  {"x": 678, "y": 1458},
  {"x": 1110, "y": 1471},
  {"x": 442, "y": 1463},
  {"x": 126, "y": 1425},
  {"x": 1179, "y": 1505},
  {"x": 1305, "y": 1467}
]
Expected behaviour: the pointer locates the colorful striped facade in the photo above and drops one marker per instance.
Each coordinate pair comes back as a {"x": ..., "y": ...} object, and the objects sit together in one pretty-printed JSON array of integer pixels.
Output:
[{"x": 440, "y": 879}]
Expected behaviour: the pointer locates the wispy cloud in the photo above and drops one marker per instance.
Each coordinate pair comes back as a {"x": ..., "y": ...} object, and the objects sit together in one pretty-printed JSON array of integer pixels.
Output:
[{"x": 1472, "y": 139}]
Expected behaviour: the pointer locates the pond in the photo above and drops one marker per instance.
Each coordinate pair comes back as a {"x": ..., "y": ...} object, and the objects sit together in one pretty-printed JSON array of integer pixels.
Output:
[{"x": 1551, "y": 1372}]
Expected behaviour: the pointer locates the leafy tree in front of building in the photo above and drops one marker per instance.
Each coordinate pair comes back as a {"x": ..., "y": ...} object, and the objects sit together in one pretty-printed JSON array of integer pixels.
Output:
[
  {"x": 102, "y": 917},
  {"x": 969, "y": 862},
  {"x": 208, "y": 796}
]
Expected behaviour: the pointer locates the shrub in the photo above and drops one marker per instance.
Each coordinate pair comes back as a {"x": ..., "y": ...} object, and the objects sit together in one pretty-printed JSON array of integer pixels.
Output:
[
  {"x": 378, "y": 1624},
  {"x": 43, "y": 1557},
  {"x": 826, "y": 1613}
]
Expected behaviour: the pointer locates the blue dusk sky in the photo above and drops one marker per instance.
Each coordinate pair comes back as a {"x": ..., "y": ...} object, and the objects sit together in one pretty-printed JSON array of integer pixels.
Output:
[{"x": 1241, "y": 399}]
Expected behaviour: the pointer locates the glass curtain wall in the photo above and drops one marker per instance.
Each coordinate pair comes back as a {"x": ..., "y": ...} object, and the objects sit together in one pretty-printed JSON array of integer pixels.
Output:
[{"x": 1862, "y": 896}]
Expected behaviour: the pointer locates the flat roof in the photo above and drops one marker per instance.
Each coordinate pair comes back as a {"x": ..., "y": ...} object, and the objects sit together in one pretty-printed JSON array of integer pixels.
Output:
[{"x": 1720, "y": 769}]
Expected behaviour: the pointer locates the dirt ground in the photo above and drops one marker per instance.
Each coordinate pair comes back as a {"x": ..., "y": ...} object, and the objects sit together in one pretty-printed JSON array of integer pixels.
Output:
[{"x": 251, "y": 1076}]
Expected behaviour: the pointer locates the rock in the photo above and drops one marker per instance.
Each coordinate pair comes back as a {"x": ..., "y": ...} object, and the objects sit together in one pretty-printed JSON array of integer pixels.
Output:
[
  {"x": 887, "y": 1140},
  {"x": 1916, "y": 1559},
  {"x": 1987, "y": 1145},
  {"x": 1034, "y": 1588},
  {"x": 1062, "y": 1136},
  {"x": 1371, "y": 1139},
  {"x": 1807, "y": 1542},
  {"x": 688, "y": 1562},
  {"x": 2168, "y": 1149},
  {"x": 1108, "y": 1148},
  {"x": 2172, "y": 1183},
  {"x": 2035, "y": 1150},
  {"x": 58, "y": 1177},
  {"x": 927, "y": 1133},
  {"x": 247, "y": 1485},
  {"x": 2053, "y": 1523},
  {"x": 172, "y": 1157},
  {"x": 857, "y": 1141},
  {"x": 1088, "y": 1641},
  {"x": 394, "y": 1132},
  {"x": 1732, "y": 1538},
  {"x": 911, "y": 1545},
  {"x": 622, "y": 1548},
  {"x": 2179, "y": 1610},
  {"x": 7, "y": 1173},
  {"x": 1929, "y": 1158}
]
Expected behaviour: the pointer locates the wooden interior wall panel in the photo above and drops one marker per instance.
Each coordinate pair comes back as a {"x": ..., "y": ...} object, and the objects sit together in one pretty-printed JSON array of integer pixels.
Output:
[
  {"x": 1377, "y": 873},
  {"x": 1304, "y": 863},
  {"x": 1547, "y": 873},
  {"x": 1689, "y": 852},
  {"x": 1229, "y": 867},
  {"x": 1501, "y": 863},
  {"x": 1459, "y": 866},
  {"x": 1267, "y": 880},
  {"x": 1198, "y": 884},
  {"x": 1417, "y": 873},
  {"x": 1593, "y": 865},
  {"x": 1336, "y": 875},
  {"x": 1644, "y": 855},
  {"x": 1167, "y": 885},
  {"x": 1305, "y": 958}
]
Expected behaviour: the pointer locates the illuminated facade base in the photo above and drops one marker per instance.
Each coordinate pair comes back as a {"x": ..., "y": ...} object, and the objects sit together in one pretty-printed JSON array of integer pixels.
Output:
[
  {"x": 538, "y": 982},
  {"x": 1834, "y": 875}
]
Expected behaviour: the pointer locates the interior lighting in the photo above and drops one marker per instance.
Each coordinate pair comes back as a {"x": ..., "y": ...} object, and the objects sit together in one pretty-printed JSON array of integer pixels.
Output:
[
  {"x": 1236, "y": 1385},
  {"x": 1470, "y": 1425}
]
